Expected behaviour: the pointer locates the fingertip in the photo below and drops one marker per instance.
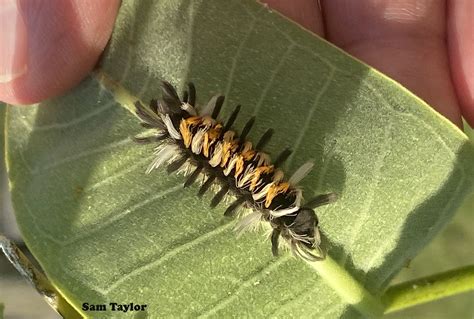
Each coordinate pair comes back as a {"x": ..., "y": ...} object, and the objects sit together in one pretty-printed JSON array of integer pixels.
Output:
[
  {"x": 401, "y": 38},
  {"x": 13, "y": 37},
  {"x": 64, "y": 41},
  {"x": 461, "y": 49}
]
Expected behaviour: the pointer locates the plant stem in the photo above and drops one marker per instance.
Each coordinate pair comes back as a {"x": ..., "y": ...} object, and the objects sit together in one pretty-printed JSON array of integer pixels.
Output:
[
  {"x": 419, "y": 291},
  {"x": 349, "y": 289},
  {"x": 120, "y": 94},
  {"x": 37, "y": 279}
]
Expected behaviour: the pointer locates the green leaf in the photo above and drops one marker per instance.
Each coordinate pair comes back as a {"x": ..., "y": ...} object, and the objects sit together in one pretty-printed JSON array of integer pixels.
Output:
[{"x": 106, "y": 232}]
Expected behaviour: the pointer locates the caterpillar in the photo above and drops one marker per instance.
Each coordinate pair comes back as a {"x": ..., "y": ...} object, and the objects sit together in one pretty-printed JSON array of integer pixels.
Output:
[{"x": 188, "y": 136}]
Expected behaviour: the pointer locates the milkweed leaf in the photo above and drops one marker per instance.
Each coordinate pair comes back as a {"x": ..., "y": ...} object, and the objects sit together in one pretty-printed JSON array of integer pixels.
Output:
[{"x": 106, "y": 232}]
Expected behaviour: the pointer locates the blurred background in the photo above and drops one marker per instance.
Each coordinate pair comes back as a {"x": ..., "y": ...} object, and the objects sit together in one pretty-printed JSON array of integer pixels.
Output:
[{"x": 452, "y": 248}]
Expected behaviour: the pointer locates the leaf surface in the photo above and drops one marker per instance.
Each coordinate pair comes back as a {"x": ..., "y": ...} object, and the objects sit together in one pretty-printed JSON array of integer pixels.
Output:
[{"x": 106, "y": 232}]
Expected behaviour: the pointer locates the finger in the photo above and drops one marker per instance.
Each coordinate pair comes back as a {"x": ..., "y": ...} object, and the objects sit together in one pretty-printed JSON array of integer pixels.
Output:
[
  {"x": 51, "y": 45},
  {"x": 404, "y": 39},
  {"x": 461, "y": 52},
  {"x": 304, "y": 12}
]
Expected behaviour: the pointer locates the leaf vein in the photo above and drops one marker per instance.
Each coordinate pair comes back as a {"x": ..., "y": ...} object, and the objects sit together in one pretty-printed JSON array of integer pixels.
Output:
[
  {"x": 168, "y": 255},
  {"x": 313, "y": 108},
  {"x": 244, "y": 285},
  {"x": 365, "y": 212},
  {"x": 79, "y": 155},
  {"x": 272, "y": 78},
  {"x": 91, "y": 230},
  {"x": 86, "y": 116},
  {"x": 235, "y": 58}
]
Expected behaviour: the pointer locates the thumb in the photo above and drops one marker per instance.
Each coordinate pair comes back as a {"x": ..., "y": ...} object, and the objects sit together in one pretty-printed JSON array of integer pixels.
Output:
[{"x": 50, "y": 46}]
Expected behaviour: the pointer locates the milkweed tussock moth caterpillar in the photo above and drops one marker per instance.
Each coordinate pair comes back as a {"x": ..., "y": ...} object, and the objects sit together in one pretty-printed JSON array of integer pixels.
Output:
[{"x": 192, "y": 137}]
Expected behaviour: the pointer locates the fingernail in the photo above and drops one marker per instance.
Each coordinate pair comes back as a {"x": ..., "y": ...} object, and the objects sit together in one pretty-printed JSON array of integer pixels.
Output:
[{"x": 13, "y": 41}]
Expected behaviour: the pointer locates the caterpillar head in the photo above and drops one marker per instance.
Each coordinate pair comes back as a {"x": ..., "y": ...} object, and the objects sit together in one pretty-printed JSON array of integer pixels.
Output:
[{"x": 302, "y": 235}]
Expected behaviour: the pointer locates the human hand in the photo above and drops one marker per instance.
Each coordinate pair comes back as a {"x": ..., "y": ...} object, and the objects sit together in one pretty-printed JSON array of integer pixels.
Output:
[
  {"x": 421, "y": 44},
  {"x": 47, "y": 47},
  {"x": 426, "y": 45}
]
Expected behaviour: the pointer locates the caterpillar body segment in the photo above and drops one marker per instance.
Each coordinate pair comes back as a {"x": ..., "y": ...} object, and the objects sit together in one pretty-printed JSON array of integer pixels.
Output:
[{"x": 187, "y": 135}]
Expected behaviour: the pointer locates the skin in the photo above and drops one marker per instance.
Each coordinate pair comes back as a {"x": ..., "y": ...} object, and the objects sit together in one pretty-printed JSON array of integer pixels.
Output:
[
  {"x": 59, "y": 42},
  {"x": 426, "y": 45}
]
